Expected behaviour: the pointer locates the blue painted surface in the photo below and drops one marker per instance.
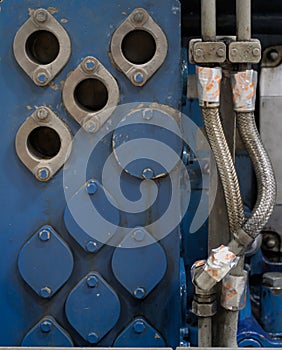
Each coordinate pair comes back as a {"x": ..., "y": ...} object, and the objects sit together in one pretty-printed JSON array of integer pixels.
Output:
[{"x": 28, "y": 204}]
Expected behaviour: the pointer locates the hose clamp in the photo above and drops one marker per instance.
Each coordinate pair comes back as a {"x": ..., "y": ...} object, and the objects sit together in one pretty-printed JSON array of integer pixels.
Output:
[
  {"x": 233, "y": 293},
  {"x": 244, "y": 86},
  {"x": 208, "y": 84}
]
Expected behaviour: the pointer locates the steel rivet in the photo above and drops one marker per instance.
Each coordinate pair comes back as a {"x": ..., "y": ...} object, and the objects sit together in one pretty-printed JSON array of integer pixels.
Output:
[
  {"x": 139, "y": 327},
  {"x": 44, "y": 235},
  {"x": 43, "y": 174},
  {"x": 41, "y": 16},
  {"x": 45, "y": 292},
  {"x": 139, "y": 293},
  {"x": 199, "y": 52},
  {"x": 92, "y": 281},
  {"x": 273, "y": 55},
  {"x": 271, "y": 243},
  {"x": 42, "y": 113},
  {"x": 138, "y": 78},
  {"x": 91, "y": 187},
  {"x": 93, "y": 338},
  {"x": 234, "y": 52},
  {"x": 46, "y": 326},
  {"x": 91, "y": 246},
  {"x": 148, "y": 173}
]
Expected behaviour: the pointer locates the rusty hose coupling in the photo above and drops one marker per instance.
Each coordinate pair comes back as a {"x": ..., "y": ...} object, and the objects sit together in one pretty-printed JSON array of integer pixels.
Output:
[
  {"x": 244, "y": 86},
  {"x": 233, "y": 293},
  {"x": 219, "y": 263},
  {"x": 208, "y": 84}
]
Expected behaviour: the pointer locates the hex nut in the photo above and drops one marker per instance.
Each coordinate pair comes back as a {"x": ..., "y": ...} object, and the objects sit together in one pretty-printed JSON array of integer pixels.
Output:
[
  {"x": 272, "y": 279},
  {"x": 204, "y": 310}
]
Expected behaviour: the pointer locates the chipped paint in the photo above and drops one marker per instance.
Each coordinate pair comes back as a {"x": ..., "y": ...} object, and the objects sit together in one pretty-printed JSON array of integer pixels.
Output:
[
  {"x": 64, "y": 20},
  {"x": 54, "y": 86},
  {"x": 28, "y": 107},
  {"x": 52, "y": 10}
]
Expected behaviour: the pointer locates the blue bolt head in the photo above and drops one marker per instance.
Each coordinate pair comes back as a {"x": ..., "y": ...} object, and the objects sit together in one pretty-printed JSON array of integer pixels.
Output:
[
  {"x": 93, "y": 338},
  {"x": 89, "y": 65},
  {"x": 139, "y": 293},
  {"x": 139, "y": 326},
  {"x": 92, "y": 281},
  {"x": 42, "y": 78},
  {"x": 46, "y": 326},
  {"x": 45, "y": 292},
  {"x": 44, "y": 235},
  {"x": 139, "y": 235},
  {"x": 91, "y": 187},
  {"x": 148, "y": 174},
  {"x": 43, "y": 174},
  {"x": 138, "y": 78},
  {"x": 91, "y": 246}
]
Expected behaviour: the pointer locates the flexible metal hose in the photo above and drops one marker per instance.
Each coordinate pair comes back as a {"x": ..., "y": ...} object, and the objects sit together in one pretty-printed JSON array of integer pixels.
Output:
[
  {"x": 266, "y": 185},
  {"x": 225, "y": 167}
]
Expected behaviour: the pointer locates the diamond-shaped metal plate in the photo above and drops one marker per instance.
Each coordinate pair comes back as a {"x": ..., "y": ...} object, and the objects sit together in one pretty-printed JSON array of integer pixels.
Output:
[
  {"x": 45, "y": 262},
  {"x": 139, "y": 263},
  {"x": 48, "y": 333},
  {"x": 92, "y": 308}
]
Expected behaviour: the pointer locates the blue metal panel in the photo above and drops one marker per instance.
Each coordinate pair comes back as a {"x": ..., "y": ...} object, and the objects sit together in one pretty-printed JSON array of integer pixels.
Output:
[{"x": 29, "y": 204}]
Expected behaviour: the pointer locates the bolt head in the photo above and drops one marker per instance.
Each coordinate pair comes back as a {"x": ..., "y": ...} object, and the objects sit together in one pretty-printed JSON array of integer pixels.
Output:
[
  {"x": 92, "y": 281},
  {"x": 93, "y": 338},
  {"x": 46, "y": 326},
  {"x": 139, "y": 326},
  {"x": 148, "y": 173},
  {"x": 45, "y": 292},
  {"x": 89, "y": 64},
  {"x": 91, "y": 187},
  {"x": 199, "y": 52},
  {"x": 41, "y": 16},
  {"x": 43, "y": 174},
  {"x": 256, "y": 52},
  {"x": 273, "y": 55},
  {"x": 138, "y": 17},
  {"x": 138, "y": 78},
  {"x": 90, "y": 126},
  {"x": 42, "y": 78},
  {"x": 139, "y": 235},
  {"x": 91, "y": 246},
  {"x": 220, "y": 52},
  {"x": 270, "y": 243},
  {"x": 147, "y": 114},
  {"x": 44, "y": 235},
  {"x": 42, "y": 113},
  {"x": 234, "y": 52},
  {"x": 272, "y": 279},
  {"x": 139, "y": 293}
]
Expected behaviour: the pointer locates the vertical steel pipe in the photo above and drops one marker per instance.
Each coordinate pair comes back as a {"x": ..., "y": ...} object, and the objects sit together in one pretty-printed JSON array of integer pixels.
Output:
[
  {"x": 208, "y": 20},
  {"x": 243, "y": 19}
]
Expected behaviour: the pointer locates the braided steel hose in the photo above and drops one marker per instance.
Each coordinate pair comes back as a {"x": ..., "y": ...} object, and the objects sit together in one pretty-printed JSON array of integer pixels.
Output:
[
  {"x": 225, "y": 167},
  {"x": 266, "y": 184}
]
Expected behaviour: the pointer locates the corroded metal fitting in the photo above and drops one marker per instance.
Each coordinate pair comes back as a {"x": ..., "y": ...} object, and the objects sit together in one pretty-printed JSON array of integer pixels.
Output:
[
  {"x": 244, "y": 85},
  {"x": 233, "y": 293},
  {"x": 220, "y": 261},
  {"x": 208, "y": 84},
  {"x": 204, "y": 310}
]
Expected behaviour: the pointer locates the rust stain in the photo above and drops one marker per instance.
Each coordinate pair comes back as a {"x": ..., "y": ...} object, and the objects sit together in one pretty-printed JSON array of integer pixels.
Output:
[
  {"x": 54, "y": 86},
  {"x": 52, "y": 10}
]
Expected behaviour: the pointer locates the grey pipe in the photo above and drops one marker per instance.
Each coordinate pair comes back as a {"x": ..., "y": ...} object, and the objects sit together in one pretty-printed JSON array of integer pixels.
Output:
[
  {"x": 266, "y": 184},
  {"x": 243, "y": 20},
  {"x": 205, "y": 332},
  {"x": 208, "y": 20}
]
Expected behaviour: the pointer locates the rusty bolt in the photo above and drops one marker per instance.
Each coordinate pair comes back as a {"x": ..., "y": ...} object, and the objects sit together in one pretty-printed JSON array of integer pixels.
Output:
[
  {"x": 220, "y": 52},
  {"x": 199, "y": 52},
  {"x": 42, "y": 113},
  {"x": 256, "y": 52},
  {"x": 41, "y": 16}
]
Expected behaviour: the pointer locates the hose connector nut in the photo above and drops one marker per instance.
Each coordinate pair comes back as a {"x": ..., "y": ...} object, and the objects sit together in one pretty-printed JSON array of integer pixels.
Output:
[
  {"x": 208, "y": 84},
  {"x": 244, "y": 86},
  {"x": 233, "y": 293},
  {"x": 220, "y": 261}
]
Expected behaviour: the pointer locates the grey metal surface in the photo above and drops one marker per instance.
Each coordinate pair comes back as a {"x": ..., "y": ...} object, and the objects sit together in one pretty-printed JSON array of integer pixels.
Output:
[
  {"x": 243, "y": 19},
  {"x": 208, "y": 19}
]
